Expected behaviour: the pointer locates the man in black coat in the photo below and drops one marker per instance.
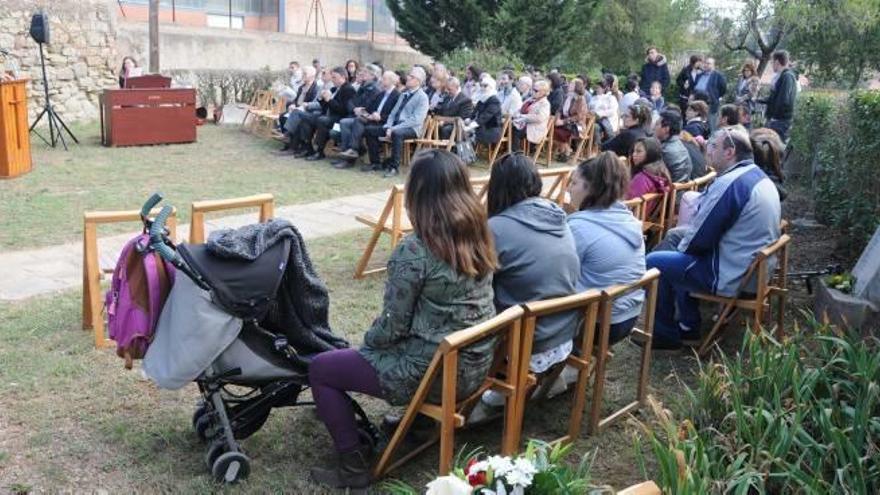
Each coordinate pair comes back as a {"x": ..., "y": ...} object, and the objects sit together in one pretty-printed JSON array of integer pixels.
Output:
[
  {"x": 335, "y": 106},
  {"x": 780, "y": 103},
  {"x": 687, "y": 79},
  {"x": 654, "y": 69},
  {"x": 456, "y": 105}
]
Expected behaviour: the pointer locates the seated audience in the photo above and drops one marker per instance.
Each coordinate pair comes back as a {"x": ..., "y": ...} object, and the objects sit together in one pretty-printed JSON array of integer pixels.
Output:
[
  {"x": 607, "y": 236},
  {"x": 305, "y": 101},
  {"x": 537, "y": 260},
  {"x": 604, "y": 105},
  {"x": 571, "y": 122},
  {"x": 768, "y": 149},
  {"x": 471, "y": 84},
  {"x": 509, "y": 96},
  {"x": 658, "y": 103},
  {"x": 437, "y": 95},
  {"x": 334, "y": 107},
  {"x": 373, "y": 115},
  {"x": 351, "y": 69},
  {"x": 456, "y": 105},
  {"x": 439, "y": 282},
  {"x": 404, "y": 122},
  {"x": 697, "y": 115},
  {"x": 487, "y": 115},
  {"x": 637, "y": 121},
  {"x": 738, "y": 214},
  {"x": 631, "y": 94},
  {"x": 531, "y": 121},
  {"x": 649, "y": 173},
  {"x": 675, "y": 155},
  {"x": 524, "y": 86},
  {"x": 728, "y": 115},
  {"x": 557, "y": 92}
]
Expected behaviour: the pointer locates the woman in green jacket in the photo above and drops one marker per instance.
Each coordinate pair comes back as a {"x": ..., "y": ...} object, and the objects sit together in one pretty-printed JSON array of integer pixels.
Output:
[{"x": 439, "y": 282}]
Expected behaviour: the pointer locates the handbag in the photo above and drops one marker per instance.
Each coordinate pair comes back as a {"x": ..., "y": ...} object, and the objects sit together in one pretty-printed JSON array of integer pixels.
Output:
[{"x": 465, "y": 151}]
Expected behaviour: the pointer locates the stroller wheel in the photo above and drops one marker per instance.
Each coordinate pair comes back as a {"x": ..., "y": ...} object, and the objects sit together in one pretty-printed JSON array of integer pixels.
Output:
[
  {"x": 216, "y": 449},
  {"x": 231, "y": 467}
]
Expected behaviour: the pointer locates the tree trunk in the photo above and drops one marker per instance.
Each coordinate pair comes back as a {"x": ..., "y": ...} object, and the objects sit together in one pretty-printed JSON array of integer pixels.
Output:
[
  {"x": 763, "y": 62},
  {"x": 154, "y": 36}
]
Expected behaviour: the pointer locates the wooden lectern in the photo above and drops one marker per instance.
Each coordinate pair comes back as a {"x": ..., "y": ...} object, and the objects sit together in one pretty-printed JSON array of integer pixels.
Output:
[{"x": 15, "y": 144}]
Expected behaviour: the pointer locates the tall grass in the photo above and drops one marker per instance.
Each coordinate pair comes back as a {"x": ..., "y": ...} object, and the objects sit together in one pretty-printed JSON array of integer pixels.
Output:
[{"x": 799, "y": 416}]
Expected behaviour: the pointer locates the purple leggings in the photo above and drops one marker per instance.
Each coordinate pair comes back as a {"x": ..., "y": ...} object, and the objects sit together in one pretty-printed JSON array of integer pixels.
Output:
[{"x": 331, "y": 375}]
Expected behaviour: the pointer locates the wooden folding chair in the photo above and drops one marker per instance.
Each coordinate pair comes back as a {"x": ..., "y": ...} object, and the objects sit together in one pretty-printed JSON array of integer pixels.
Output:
[
  {"x": 547, "y": 141},
  {"x": 260, "y": 102},
  {"x": 678, "y": 188},
  {"x": 647, "y": 283},
  {"x": 265, "y": 202},
  {"x": 410, "y": 146},
  {"x": 585, "y": 145},
  {"x": 494, "y": 150},
  {"x": 758, "y": 302},
  {"x": 453, "y": 410},
  {"x": 560, "y": 176},
  {"x": 586, "y": 304},
  {"x": 433, "y": 138},
  {"x": 635, "y": 206},
  {"x": 701, "y": 182},
  {"x": 392, "y": 221},
  {"x": 267, "y": 117},
  {"x": 653, "y": 217}
]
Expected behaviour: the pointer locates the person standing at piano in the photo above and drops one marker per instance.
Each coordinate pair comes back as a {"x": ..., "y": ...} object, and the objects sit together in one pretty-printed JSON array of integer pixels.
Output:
[{"x": 129, "y": 69}]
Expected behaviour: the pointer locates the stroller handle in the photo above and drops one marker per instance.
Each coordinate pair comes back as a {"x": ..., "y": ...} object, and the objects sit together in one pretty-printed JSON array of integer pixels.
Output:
[
  {"x": 151, "y": 202},
  {"x": 157, "y": 234}
]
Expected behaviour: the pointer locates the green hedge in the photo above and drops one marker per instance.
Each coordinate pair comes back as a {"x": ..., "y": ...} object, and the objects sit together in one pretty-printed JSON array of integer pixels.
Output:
[
  {"x": 219, "y": 87},
  {"x": 839, "y": 137}
]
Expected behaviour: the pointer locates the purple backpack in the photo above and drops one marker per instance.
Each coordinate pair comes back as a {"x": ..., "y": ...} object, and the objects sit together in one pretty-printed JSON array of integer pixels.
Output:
[{"x": 141, "y": 283}]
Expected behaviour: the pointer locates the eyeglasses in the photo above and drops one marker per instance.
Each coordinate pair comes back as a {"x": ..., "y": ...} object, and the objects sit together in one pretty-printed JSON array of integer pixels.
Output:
[{"x": 728, "y": 138}]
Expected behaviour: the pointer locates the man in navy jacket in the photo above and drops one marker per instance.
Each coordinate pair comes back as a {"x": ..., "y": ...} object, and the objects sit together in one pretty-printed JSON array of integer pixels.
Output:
[{"x": 655, "y": 69}]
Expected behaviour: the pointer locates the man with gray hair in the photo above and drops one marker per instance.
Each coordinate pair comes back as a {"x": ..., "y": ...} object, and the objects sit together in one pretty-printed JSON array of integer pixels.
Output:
[
  {"x": 455, "y": 105},
  {"x": 739, "y": 214},
  {"x": 405, "y": 122},
  {"x": 524, "y": 86},
  {"x": 373, "y": 114},
  {"x": 306, "y": 100}
]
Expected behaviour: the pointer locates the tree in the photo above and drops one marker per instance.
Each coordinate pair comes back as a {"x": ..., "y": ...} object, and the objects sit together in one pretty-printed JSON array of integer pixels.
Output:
[
  {"x": 758, "y": 30},
  {"x": 837, "y": 39},
  {"x": 437, "y": 27},
  {"x": 537, "y": 31},
  {"x": 620, "y": 30}
]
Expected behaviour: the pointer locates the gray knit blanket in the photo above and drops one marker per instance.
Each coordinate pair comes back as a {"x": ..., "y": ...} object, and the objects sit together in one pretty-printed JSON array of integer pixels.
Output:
[{"x": 301, "y": 307}]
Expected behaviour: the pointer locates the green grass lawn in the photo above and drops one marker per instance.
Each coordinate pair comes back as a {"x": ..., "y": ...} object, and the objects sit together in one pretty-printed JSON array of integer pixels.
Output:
[
  {"x": 72, "y": 418},
  {"x": 45, "y": 207}
]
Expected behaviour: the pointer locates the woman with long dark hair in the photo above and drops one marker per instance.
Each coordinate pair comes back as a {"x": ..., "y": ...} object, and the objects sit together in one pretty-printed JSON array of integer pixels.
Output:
[
  {"x": 439, "y": 282},
  {"x": 607, "y": 236},
  {"x": 351, "y": 70},
  {"x": 649, "y": 173}
]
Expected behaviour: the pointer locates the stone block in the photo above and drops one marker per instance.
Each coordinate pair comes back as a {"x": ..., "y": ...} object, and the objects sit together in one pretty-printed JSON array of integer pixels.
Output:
[
  {"x": 867, "y": 271},
  {"x": 80, "y": 69},
  {"x": 843, "y": 310},
  {"x": 65, "y": 74}
]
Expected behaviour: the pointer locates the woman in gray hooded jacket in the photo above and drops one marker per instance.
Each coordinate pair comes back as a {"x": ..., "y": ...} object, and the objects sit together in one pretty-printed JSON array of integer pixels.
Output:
[{"x": 607, "y": 236}]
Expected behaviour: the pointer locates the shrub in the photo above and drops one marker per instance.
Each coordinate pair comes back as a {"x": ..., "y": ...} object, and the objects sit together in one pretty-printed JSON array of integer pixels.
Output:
[
  {"x": 219, "y": 87},
  {"x": 838, "y": 138},
  {"x": 483, "y": 56},
  {"x": 801, "y": 416}
]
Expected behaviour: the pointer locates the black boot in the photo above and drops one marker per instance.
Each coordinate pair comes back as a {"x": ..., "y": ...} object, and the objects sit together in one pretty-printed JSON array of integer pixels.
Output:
[{"x": 352, "y": 470}]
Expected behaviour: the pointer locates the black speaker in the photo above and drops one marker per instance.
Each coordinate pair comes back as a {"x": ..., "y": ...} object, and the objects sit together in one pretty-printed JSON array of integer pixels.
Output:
[{"x": 40, "y": 27}]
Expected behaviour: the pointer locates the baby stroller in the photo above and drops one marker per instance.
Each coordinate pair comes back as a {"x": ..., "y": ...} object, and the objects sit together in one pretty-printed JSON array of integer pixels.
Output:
[{"x": 230, "y": 306}]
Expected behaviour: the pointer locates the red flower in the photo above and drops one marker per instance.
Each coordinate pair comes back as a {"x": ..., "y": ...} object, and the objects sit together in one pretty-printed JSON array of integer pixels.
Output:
[{"x": 477, "y": 479}]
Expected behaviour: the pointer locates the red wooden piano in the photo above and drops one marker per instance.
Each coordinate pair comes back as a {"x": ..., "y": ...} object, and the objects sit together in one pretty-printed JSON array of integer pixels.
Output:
[{"x": 131, "y": 117}]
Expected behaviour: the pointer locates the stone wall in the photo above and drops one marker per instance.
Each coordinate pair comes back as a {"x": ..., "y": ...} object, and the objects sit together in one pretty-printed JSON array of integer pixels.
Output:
[{"x": 80, "y": 60}]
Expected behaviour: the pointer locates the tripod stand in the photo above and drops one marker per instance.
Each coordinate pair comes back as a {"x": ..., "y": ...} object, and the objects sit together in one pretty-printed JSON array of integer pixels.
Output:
[
  {"x": 56, "y": 125},
  {"x": 319, "y": 11}
]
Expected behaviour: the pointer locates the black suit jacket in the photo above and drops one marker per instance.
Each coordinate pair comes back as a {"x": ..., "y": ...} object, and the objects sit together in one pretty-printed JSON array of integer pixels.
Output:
[
  {"x": 460, "y": 106},
  {"x": 389, "y": 104},
  {"x": 338, "y": 106}
]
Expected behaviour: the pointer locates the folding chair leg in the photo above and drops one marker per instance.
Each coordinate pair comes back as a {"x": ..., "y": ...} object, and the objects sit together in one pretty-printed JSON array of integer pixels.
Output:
[
  {"x": 780, "y": 316},
  {"x": 578, "y": 405},
  {"x": 709, "y": 339}
]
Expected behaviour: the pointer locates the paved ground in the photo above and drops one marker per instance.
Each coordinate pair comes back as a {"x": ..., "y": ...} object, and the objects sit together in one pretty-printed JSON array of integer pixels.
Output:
[{"x": 40, "y": 271}]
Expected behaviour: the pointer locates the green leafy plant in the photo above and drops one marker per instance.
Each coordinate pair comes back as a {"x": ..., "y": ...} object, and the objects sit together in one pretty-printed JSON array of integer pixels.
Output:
[
  {"x": 843, "y": 282},
  {"x": 799, "y": 416}
]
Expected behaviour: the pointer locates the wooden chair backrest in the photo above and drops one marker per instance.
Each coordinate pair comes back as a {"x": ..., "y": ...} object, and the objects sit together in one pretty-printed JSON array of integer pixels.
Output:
[
  {"x": 656, "y": 218},
  {"x": 561, "y": 177},
  {"x": 587, "y": 304},
  {"x": 635, "y": 206},
  {"x": 506, "y": 328},
  {"x": 701, "y": 182},
  {"x": 648, "y": 282},
  {"x": 759, "y": 267}
]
